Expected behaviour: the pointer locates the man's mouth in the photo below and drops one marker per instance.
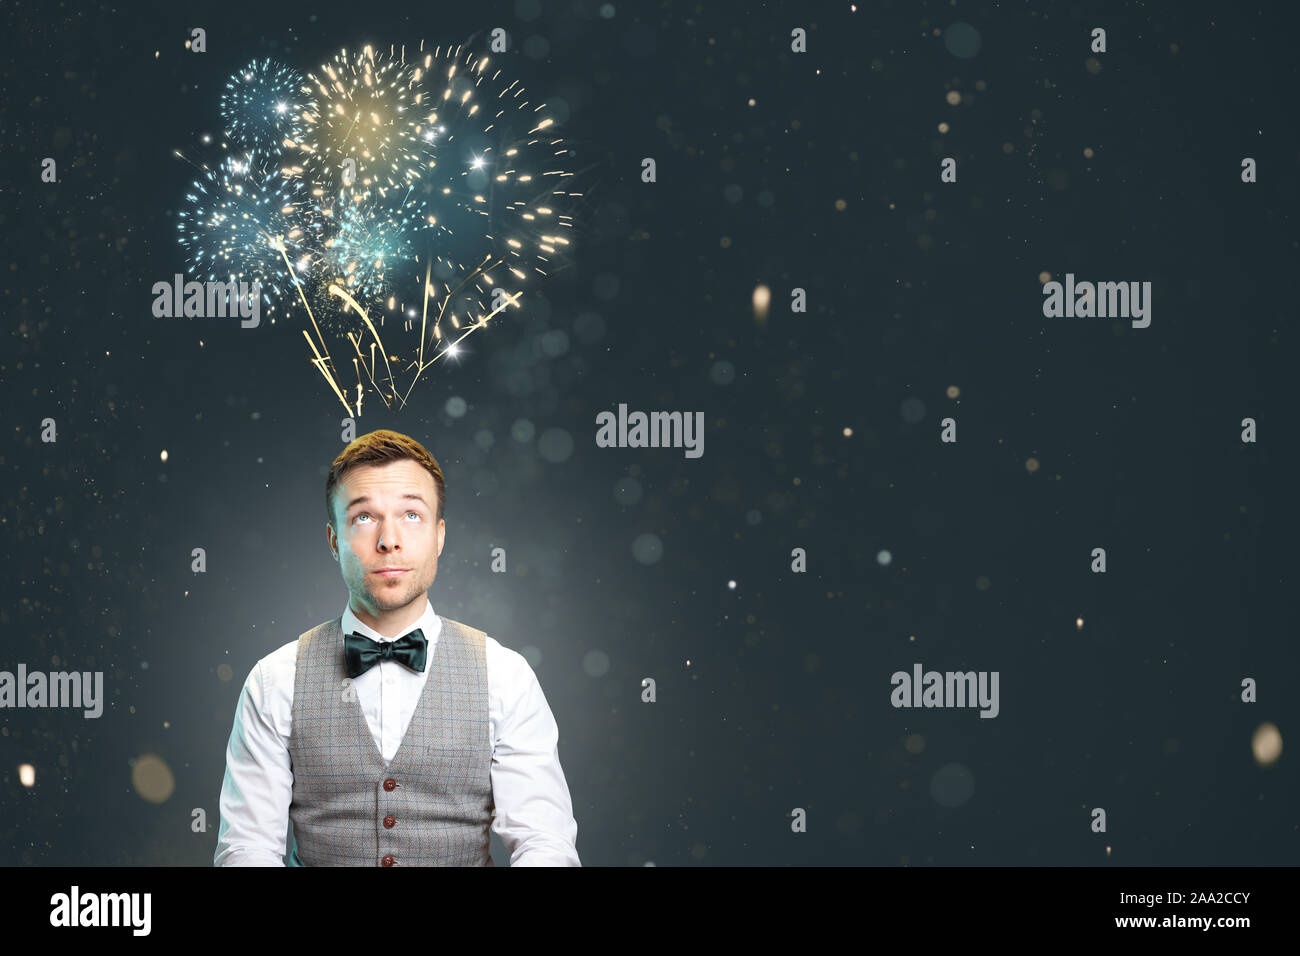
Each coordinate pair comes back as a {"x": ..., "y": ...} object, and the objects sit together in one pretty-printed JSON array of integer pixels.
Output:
[{"x": 391, "y": 572}]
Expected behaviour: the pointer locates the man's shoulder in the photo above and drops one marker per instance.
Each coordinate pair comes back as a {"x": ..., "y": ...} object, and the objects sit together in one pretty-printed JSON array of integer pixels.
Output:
[
  {"x": 279, "y": 665},
  {"x": 499, "y": 656},
  {"x": 461, "y": 626}
]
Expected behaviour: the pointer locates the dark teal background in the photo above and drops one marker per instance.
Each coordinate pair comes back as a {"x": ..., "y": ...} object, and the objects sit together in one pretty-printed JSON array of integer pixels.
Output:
[{"x": 914, "y": 286}]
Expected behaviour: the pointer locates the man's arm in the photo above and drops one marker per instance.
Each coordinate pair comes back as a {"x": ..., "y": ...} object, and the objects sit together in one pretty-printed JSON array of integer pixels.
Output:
[
  {"x": 258, "y": 786},
  {"x": 534, "y": 813}
]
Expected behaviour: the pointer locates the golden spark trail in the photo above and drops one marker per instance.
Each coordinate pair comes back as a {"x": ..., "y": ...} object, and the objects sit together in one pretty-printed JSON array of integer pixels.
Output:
[
  {"x": 428, "y": 266},
  {"x": 478, "y": 324},
  {"x": 370, "y": 369},
  {"x": 320, "y": 363},
  {"x": 336, "y": 289},
  {"x": 441, "y": 311}
]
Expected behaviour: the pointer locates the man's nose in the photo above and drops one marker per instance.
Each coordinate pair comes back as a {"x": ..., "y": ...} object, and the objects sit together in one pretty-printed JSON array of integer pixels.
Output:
[{"x": 389, "y": 538}]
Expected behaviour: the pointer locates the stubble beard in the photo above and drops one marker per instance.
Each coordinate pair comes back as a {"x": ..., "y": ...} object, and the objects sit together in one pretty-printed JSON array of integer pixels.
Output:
[{"x": 381, "y": 599}]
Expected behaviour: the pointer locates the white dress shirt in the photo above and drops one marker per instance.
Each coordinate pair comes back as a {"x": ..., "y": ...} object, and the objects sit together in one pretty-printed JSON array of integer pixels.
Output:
[{"x": 533, "y": 815}]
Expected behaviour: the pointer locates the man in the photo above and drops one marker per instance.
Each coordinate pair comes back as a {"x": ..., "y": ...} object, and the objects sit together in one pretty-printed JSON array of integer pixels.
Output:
[{"x": 392, "y": 736}]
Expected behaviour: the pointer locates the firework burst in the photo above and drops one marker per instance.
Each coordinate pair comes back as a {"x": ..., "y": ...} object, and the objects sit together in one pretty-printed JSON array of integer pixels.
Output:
[
  {"x": 366, "y": 249},
  {"x": 456, "y": 194},
  {"x": 365, "y": 112},
  {"x": 263, "y": 106},
  {"x": 236, "y": 220},
  {"x": 493, "y": 185},
  {"x": 496, "y": 167}
]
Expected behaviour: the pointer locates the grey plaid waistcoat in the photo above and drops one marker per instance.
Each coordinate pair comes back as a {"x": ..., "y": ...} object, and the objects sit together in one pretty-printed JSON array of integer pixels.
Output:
[{"x": 432, "y": 804}]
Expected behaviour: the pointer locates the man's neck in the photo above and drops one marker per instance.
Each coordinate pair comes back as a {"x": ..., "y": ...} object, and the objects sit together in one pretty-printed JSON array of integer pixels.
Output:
[{"x": 391, "y": 623}]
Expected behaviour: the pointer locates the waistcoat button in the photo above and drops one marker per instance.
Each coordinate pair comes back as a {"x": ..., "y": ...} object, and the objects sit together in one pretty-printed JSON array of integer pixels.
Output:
[
  {"x": 390, "y": 783},
  {"x": 388, "y": 861},
  {"x": 390, "y": 822}
]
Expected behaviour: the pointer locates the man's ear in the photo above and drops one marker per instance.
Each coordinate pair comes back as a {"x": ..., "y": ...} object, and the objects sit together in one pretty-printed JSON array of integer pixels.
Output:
[{"x": 330, "y": 540}]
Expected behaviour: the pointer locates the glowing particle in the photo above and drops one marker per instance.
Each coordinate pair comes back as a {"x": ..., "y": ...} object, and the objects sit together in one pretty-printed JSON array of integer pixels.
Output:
[
  {"x": 1266, "y": 744},
  {"x": 27, "y": 775},
  {"x": 163, "y": 456},
  {"x": 152, "y": 778}
]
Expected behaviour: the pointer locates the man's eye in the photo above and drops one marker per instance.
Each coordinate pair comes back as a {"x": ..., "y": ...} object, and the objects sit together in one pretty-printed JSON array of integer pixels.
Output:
[
  {"x": 416, "y": 513},
  {"x": 360, "y": 516}
]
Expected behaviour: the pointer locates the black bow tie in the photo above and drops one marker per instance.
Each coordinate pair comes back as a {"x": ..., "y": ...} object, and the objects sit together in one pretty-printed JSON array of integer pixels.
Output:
[{"x": 361, "y": 653}]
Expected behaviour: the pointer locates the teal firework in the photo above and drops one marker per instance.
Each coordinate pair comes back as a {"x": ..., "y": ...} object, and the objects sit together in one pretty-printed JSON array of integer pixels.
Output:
[{"x": 263, "y": 108}]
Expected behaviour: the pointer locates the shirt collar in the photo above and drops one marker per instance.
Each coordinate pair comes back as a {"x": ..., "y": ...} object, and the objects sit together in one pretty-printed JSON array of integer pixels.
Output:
[{"x": 429, "y": 623}]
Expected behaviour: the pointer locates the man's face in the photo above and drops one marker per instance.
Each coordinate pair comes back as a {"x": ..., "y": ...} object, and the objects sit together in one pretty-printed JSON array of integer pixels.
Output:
[{"x": 386, "y": 517}]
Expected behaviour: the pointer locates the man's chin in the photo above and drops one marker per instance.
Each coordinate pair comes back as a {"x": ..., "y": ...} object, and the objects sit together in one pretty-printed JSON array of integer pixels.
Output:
[{"x": 386, "y": 600}]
